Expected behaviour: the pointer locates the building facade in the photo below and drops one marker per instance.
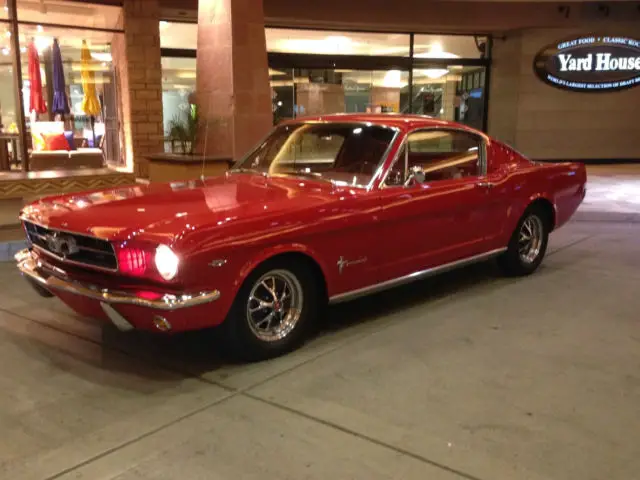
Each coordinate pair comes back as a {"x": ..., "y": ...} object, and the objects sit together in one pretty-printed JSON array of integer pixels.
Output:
[{"x": 90, "y": 89}]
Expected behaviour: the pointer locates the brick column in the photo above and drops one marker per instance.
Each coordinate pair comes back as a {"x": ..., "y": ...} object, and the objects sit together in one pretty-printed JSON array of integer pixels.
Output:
[
  {"x": 136, "y": 58},
  {"x": 232, "y": 90}
]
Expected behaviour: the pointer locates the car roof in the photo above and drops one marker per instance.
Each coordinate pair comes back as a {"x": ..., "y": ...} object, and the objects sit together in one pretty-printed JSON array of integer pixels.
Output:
[{"x": 396, "y": 120}]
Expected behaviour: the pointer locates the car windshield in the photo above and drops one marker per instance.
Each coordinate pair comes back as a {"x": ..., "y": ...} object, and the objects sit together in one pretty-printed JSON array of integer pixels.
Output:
[{"x": 347, "y": 154}]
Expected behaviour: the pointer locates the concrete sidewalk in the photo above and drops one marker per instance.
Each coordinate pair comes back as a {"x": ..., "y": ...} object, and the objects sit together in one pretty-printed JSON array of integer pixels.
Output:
[{"x": 466, "y": 376}]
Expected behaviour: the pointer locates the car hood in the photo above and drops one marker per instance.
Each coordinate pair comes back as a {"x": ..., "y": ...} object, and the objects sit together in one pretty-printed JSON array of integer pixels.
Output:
[{"x": 164, "y": 212}]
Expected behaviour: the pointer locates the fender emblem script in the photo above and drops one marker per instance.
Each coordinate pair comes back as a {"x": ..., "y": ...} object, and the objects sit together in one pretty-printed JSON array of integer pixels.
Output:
[{"x": 342, "y": 262}]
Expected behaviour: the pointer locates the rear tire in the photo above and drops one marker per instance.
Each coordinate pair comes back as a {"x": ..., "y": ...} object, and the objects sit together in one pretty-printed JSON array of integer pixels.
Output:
[
  {"x": 273, "y": 311},
  {"x": 528, "y": 244}
]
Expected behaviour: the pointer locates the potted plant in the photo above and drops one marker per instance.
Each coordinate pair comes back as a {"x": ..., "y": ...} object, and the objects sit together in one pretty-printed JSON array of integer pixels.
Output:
[
  {"x": 185, "y": 161},
  {"x": 184, "y": 131}
]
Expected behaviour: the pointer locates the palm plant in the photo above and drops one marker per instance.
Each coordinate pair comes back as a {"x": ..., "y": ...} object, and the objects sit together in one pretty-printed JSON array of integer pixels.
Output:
[{"x": 184, "y": 131}]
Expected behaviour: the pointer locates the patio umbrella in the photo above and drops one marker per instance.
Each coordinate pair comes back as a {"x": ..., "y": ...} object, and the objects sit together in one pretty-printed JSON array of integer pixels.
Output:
[
  {"x": 36, "y": 100},
  {"x": 90, "y": 102},
  {"x": 60, "y": 100}
]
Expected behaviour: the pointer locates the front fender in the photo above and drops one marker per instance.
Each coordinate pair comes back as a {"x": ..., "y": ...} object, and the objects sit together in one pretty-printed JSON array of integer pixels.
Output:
[{"x": 263, "y": 255}]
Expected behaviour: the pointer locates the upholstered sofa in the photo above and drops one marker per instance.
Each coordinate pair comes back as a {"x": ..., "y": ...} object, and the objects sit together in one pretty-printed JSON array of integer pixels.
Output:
[
  {"x": 67, "y": 152},
  {"x": 66, "y": 160}
]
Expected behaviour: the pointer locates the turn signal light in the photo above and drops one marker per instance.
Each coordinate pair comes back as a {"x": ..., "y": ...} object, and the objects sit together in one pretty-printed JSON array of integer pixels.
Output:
[{"x": 133, "y": 261}]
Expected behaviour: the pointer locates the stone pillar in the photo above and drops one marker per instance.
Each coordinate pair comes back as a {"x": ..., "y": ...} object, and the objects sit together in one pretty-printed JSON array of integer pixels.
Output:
[
  {"x": 233, "y": 94},
  {"x": 449, "y": 98},
  {"x": 136, "y": 58},
  {"x": 507, "y": 65}
]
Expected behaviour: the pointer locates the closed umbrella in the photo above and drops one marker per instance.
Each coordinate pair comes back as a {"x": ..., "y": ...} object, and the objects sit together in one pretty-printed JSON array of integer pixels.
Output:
[
  {"x": 36, "y": 99},
  {"x": 90, "y": 102},
  {"x": 60, "y": 100}
]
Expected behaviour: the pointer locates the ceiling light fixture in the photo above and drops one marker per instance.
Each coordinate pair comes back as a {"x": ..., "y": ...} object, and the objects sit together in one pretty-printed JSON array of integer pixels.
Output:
[{"x": 435, "y": 51}]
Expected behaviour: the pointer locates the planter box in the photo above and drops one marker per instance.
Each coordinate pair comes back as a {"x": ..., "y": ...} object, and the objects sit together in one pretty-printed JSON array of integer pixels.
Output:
[{"x": 171, "y": 167}]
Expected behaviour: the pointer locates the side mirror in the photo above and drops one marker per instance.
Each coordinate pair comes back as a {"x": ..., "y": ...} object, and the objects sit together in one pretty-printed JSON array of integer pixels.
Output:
[{"x": 416, "y": 175}]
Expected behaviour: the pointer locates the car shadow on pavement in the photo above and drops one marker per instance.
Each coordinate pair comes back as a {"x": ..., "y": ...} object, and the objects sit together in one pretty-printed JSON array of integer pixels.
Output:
[{"x": 202, "y": 352}]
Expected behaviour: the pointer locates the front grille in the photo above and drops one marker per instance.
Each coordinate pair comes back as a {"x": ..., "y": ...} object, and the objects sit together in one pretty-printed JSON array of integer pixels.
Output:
[{"x": 72, "y": 247}]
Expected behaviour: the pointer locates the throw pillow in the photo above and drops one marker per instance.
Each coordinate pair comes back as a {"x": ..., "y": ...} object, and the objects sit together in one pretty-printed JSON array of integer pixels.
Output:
[
  {"x": 70, "y": 140},
  {"x": 55, "y": 141}
]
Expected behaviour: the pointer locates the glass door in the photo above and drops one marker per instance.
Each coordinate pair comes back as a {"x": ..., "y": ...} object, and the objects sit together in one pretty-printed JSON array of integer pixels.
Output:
[{"x": 451, "y": 92}]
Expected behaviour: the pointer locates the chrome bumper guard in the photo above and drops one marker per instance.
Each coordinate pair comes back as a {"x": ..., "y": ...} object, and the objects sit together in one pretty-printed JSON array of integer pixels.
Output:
[{"x": 31, "y": 267}]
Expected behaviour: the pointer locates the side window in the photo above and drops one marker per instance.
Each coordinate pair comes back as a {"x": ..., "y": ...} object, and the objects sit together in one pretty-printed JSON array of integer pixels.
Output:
[
  {"x": 445, "y": 154},
  {"x": 440, "y": 154}
]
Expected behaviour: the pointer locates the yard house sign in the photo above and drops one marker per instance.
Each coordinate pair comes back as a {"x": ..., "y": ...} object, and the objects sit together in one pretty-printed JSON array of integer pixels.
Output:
[{"x": 590, "y": 63}]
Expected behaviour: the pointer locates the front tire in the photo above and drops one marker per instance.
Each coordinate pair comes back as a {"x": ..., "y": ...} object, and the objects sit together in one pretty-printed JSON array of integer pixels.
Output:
[
  {"x": 273, "y": 311},
  {"x": 528, "y": 244}
]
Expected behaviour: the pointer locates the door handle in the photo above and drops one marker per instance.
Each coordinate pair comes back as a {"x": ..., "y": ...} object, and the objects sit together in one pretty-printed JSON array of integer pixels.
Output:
[{"x": 485, "y": 184}]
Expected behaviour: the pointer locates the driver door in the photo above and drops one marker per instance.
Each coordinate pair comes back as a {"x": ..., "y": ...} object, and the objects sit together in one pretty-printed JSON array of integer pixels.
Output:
[{"x": 442, "y": 217}]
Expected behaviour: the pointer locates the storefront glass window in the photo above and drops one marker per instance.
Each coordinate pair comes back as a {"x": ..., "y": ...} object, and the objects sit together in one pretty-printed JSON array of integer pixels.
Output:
[
  {"x": 303, "y": 92},
  {"x": 453, "y": 93},
  {"x": 75, "y": 14},
  {"x": 10, "y": 152},
  {"x": 178, "y": 86},
  {"x": 68, "y": 107},
  {"x": 448, "y": 46},
  {"x": 69, "y": 94},
  {"x": 327, "y": 42},
  {"x": 372, "y": 75}
]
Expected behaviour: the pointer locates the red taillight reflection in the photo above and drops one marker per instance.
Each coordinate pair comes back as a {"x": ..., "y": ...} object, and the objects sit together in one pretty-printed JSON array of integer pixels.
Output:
[{"x": 133, "y": 261}]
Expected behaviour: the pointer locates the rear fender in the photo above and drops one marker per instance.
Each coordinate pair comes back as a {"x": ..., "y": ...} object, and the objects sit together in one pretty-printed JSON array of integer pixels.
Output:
[{"x": 518, "y": 209}]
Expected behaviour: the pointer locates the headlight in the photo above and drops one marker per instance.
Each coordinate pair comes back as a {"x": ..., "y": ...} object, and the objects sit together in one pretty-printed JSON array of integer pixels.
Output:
[{"x": 166, "y": 262}]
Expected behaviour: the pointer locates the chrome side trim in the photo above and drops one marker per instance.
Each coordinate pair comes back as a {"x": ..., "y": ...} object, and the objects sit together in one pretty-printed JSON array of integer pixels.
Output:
[
  {"x": 396, "y": 282},
  {"x": 30, "y": 268}
]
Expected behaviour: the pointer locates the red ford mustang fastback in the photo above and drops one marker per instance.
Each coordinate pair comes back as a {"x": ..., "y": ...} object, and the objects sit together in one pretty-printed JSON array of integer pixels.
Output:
[{"x": 324, "y": 209}]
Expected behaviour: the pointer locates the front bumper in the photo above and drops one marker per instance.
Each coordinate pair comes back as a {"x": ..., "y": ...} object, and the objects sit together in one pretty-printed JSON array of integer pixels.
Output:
[{"x": 33, "y": 269}]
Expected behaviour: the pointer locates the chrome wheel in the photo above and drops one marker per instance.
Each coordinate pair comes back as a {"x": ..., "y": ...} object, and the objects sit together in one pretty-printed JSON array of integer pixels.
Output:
[
  {"x": 274, "y": 305},
  {"x": 530, "y": 239}
]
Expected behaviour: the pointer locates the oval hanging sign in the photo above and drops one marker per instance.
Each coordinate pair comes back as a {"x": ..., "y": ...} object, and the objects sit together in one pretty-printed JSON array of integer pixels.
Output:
[{"x": 591, "y": 63}]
